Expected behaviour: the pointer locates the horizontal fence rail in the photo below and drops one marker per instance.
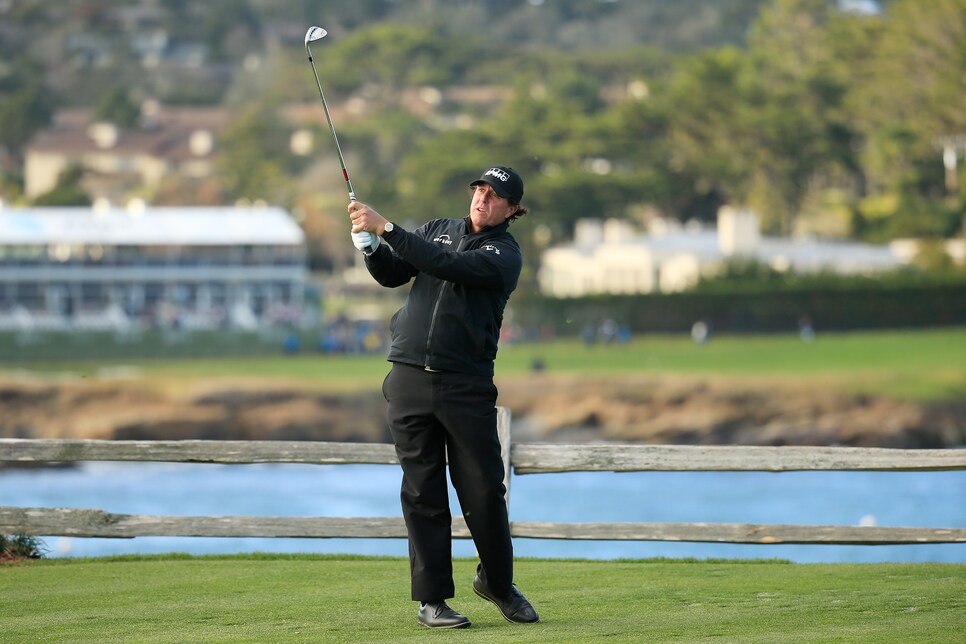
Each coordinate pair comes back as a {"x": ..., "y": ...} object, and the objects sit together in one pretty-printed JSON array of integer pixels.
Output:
[
  {"x": 538, "y": 458},
  {"x": 97, "y": 523},
  {"x": 524, "y": 459},
  {"x": 740, "y": 533},
  {"x": 196, "y": 451}
]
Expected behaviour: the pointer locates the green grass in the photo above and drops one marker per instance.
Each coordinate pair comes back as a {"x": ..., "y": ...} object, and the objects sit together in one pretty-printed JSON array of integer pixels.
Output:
[
  {"x": 923, "y": 364},
  {"x": 761, "y": 354},
  {"x": 303, "y": 598}
]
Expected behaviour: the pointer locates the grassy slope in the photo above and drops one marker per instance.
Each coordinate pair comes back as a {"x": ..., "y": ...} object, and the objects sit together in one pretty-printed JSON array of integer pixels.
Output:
[{"x": 317, "y": 598}]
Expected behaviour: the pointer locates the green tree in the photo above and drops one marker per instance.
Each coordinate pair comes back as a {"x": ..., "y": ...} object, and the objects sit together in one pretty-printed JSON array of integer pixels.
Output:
[
  {"x": 117, "y": 107},
  {"x": 255, "y": 161},
  {"x": 68, "y": 191},
  {"x": 387, "y": 57},
  {"x": 766, "y": 125},
  {"x": 801, "y": 79},
  {"x": 912, "y": 93},
  {"x": 22, "y": 114},
  {"x": 229, "y": 27},
  {"x": 709, "y": 121}
]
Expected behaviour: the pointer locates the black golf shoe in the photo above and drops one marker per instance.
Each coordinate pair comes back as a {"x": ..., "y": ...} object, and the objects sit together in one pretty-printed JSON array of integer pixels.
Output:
[
  {"x": 440, "y": 615},
  {"x": 515, "y": 607}
]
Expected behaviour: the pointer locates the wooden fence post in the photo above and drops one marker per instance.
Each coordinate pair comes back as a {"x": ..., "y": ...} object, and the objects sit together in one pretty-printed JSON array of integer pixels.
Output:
[{"x": 503, "y": 431}]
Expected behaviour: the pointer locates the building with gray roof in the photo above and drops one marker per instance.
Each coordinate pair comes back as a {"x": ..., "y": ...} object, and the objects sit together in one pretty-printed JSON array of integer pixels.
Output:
[{"x": 186, "y": 267}]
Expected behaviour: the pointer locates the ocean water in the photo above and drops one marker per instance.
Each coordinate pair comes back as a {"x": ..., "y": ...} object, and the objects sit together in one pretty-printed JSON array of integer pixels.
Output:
[{"x": 907, "y": 499}]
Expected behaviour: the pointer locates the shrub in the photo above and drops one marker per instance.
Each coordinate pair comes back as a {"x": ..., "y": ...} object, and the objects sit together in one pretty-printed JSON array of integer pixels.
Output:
[{"x": 21, "y": 546}]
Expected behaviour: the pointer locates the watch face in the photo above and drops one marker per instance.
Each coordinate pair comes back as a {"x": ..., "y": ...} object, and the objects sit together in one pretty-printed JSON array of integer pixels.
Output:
[{"x": 389, "y": 227}]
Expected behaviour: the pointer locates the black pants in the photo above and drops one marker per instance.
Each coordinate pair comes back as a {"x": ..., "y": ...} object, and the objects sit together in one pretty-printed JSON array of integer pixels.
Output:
[{"x": 431, "y": 414}]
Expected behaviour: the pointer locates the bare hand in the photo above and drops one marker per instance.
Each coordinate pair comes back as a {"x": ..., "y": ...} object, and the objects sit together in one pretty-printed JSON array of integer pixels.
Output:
[{"x": 366, "y": 219}]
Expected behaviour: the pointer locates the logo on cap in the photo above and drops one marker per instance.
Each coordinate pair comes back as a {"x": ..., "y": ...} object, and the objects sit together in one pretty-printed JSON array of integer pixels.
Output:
[
  {"x": 505, "y": 181},
  {"x": 502, "y": 175}
]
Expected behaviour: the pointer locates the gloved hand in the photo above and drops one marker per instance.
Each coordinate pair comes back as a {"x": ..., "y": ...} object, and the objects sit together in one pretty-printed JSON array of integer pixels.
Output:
[{"x": 365, "y": 241}]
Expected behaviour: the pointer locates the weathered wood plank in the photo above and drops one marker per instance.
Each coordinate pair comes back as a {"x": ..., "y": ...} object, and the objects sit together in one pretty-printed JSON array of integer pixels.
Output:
[
  {"x": 526, "y": 458},
  {"x": 73, "y": 522},
  {"x": 97, "y": 523},
  {"x": 740, "y": 533},
  {"x": 532, "y": 458},
  {"x": 213, "y": 451},
  {"x": 196, "y": 451}
]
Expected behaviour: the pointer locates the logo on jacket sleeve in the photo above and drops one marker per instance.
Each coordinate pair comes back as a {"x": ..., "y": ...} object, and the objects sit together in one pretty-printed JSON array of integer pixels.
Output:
[
  {"x": 491, "y": 248},
  {"x": 443, "y": 239}
]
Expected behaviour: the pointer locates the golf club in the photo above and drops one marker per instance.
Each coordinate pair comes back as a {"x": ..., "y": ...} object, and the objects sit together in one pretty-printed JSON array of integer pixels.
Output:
[{"x": 313, "y": 34}]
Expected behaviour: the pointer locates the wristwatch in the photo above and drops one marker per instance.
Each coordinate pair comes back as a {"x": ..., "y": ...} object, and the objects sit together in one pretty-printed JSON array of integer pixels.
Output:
[{"x": 388, "y": 228}]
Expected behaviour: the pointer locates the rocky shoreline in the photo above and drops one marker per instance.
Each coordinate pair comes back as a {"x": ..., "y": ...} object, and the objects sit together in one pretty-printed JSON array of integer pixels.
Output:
[
  {"x": 545, "y": 408},
  {"x": 693, "y": 411}
]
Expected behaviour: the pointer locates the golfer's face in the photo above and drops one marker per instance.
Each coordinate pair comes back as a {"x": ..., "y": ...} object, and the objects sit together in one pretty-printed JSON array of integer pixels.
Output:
[{"x": 488, "y": 208}]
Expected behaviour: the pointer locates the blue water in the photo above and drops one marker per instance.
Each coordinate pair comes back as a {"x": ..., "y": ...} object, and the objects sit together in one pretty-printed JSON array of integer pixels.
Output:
[{"x": 909, "y": 499}]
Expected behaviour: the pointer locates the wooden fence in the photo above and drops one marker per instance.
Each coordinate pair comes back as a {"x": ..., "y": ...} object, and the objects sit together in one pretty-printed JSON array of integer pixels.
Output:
[{"x": 524, "y": 458}]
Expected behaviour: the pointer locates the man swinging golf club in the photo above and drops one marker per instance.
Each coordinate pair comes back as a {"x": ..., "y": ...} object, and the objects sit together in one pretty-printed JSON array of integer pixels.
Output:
[
  {"x": 442, "y": 400},
  {"x": 440, "y": 390}
]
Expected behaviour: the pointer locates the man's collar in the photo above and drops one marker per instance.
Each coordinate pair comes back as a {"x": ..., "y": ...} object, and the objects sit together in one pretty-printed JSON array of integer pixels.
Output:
[{"x": 497, "y": 228}]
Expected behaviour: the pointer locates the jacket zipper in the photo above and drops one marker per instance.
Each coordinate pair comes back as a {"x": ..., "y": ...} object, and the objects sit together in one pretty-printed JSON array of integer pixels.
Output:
[{"x": 432, "y": 320}]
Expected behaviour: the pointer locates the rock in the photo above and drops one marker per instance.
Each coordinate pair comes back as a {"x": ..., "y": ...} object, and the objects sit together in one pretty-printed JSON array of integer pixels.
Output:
[
  {"x": 713, "y": 412},
  {"x": 545, "y": 407}
]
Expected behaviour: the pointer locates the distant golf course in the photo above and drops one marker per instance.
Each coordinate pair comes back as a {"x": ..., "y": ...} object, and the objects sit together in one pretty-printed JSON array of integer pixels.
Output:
[{"x": 927, "y": 364}]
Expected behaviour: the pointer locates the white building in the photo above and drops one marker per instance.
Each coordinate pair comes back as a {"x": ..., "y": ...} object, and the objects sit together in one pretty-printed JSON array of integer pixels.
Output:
[
  {"x": 63, "y": 268},
  {"x": 612, "y": 257}
]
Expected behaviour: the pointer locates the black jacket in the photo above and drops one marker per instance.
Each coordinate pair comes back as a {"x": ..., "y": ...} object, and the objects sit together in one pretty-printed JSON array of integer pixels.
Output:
[{"x": 451, "y": 320}]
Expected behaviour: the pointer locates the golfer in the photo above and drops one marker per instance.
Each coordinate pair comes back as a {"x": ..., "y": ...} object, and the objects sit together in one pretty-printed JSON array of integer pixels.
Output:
[{"x": 442, "y": 400}]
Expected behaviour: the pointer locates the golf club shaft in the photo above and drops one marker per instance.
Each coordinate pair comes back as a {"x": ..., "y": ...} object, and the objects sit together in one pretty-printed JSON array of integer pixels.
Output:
[{"x": 328, "y": 117}]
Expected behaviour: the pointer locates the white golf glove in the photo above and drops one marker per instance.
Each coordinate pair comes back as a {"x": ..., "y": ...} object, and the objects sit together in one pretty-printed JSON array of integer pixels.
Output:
[{"x": 365, "y": 241}]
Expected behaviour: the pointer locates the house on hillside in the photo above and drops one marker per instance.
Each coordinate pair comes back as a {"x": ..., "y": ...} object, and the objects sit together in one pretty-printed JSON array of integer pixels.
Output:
[
  {"x": 117, "y": 269},
  {"x": 612, "y": 257},
  {"x": 181, "y": 141}
]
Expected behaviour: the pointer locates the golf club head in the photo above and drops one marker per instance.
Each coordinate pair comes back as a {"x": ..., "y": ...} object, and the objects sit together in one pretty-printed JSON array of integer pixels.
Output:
[{"x": 313, "y": 34}]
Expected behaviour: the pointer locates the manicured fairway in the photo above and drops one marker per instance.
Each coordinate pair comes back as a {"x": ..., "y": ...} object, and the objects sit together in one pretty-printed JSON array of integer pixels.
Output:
[
  {"x": 281, "y": 598},
  {"x": 924, "y": 364}
]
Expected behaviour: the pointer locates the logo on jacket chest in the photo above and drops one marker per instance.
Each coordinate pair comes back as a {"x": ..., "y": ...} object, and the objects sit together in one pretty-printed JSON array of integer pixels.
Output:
[{"x": 443, "y": 239}]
